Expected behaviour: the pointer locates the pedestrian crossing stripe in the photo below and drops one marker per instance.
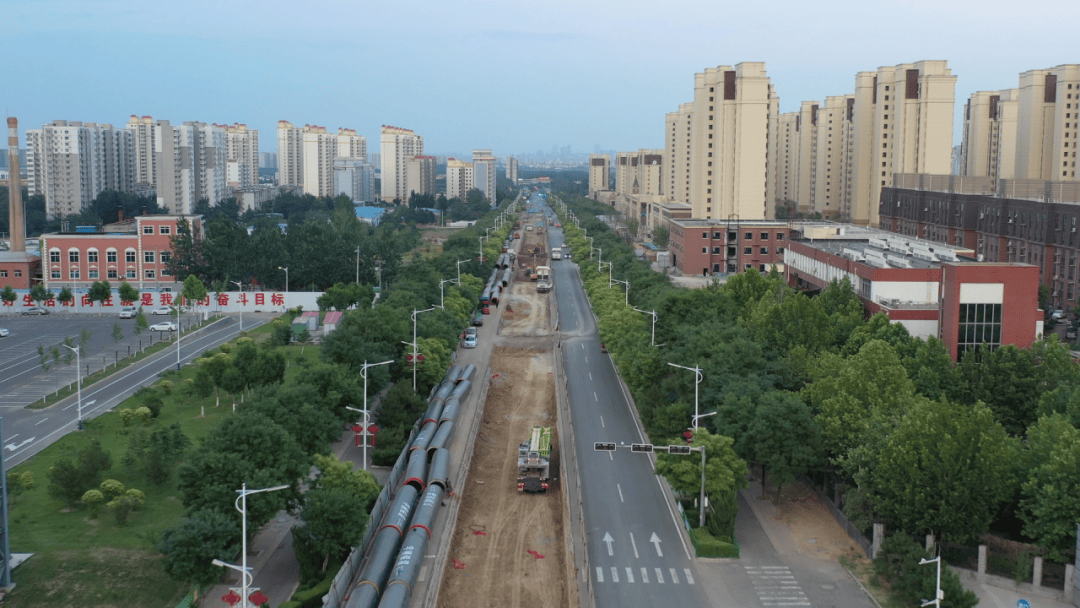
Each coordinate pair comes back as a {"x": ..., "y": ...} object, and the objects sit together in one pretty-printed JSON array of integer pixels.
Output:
[
  {"x": 776, "y": 586},
  {"x": 658, "y": 576}
]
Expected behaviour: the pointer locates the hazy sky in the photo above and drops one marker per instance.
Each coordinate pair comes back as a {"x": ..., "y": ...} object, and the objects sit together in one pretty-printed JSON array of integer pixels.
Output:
[{"x": 511, "y": 76}]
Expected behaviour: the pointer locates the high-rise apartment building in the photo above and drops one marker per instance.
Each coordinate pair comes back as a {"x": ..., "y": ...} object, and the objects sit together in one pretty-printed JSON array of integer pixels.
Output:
[
  {"x": 1047, "y": 123},
  {"x": 599, "y": 174},
  {"x": 189, "y": 161},
  {"x": 729, "y": 141},
  {"x": 989, "y": 141},
  {"x": 807, "y": 167},
  {"x": 640, "y": 172},
  {"x": 833, "y": 176},
  {"x": 397, "y": 146},
  {"x": 512, "y": 169},
  {"x": 70, "y": 163},
  {"x": 354, "y": 178},
  {"x": 290, "y": 156},
  {"x": 902, "y": 120},
  {"x": 485, "y": 173},
  {"x": 268, "y": 160},
  {"x": 786, "y": 178},
  {"x": 351, "y": 145},
  {"x": 243, "y": 155},
  {"x": 420, "y": 175},
  {"x": 677, "y": 130},
  {"x": 142, "y": 130},
  {"x": 459, "y": 178},
  {"x": 318, "y": 153}
]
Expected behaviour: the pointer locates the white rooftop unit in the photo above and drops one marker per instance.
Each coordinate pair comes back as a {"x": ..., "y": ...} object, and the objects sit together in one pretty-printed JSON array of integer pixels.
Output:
[
  {"x": 898, "y": 261},
  {"x": 853, "y": 254},
  {"x": 879, "y": 243}
]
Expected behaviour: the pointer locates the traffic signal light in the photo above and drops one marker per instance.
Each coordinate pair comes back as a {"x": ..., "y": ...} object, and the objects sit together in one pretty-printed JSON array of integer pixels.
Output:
[
  {"x": 603, "y": 446},
  {"x": 643, "y": 448},
  {"x": 678, "y": 449}
]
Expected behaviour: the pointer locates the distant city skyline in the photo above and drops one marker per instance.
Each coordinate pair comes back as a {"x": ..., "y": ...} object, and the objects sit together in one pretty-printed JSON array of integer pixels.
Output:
[{"x": 555, "y": 73}]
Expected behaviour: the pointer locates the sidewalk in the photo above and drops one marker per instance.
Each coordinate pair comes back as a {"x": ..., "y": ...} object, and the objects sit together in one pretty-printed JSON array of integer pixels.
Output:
[{"x": 993, "y": 596}]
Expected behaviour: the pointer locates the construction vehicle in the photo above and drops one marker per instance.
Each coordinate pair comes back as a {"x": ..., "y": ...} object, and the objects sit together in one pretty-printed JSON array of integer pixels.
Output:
[
  {"x": 534, "y": 461},
  {"x": 543, "y": 279}
]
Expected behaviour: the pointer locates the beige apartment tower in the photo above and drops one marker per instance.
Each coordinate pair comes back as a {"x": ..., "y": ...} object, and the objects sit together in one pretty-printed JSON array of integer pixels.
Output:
[
  {"x": 989, "y": 141},
  {"x": 729, "y": 142},
  {"x": 290, "y": 154},
  {"x": 485, "y": 173},
  {"x": 512, "y": 170},
  {"x": 1047, "y": 123},
  {"x": 351, "y": 145},
  {"x": 786, "y": 177},
  {"x": 71, "y": 163},
  {"x": 599, "y": 174},
  {"x": 243, "y": 155},
  {"x": 902, "y": 122},
  {"x": 397, "y": 146},
  {"x": 318, "y": 153},
  {"x": 677, "y": 129},
  {"x": 420, "y": 175},
  {"x": 459, "y": 178}
]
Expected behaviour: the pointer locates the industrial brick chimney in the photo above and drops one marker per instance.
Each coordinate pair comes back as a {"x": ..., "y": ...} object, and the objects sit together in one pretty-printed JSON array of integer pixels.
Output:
[{"x": 16, "y": 214}]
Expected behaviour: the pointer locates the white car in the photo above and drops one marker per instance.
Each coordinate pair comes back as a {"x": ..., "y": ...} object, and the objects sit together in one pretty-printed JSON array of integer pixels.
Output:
[
  {"x": 470, "y": 342},
  {"x": 164, "y": 310},
  {"x": 166, "y": 326},
  {"x": 4, "y": 333}
]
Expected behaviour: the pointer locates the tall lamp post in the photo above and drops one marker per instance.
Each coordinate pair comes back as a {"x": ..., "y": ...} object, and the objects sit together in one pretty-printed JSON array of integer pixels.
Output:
[
  {"x": 459, "y": 270},
  {"x": 286, "y": 269},
  {"x": 180, "y": 332},
  {"x": 363, "y": 374},
  {"x": 442, "y": 296},
  {"x": 611, "y": 283},
  {"x": 652, "y": 341},
  {"x": 78, "y": 370},
  {"x": 938, "y": 593},
  {"x": 246, "y": 577},
  {"x": 415, "y": 350},
  {"x": 698, "y": 377},
  {"x": 357, "y": 265},
  {"x": 241, "y": 286}
]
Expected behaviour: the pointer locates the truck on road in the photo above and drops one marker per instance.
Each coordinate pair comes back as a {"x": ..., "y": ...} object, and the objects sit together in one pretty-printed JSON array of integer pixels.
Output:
[
  {"x": 543, "y": 279},
  {"x": 556, "y": 254},
  {"x": 534, "y": 461}
]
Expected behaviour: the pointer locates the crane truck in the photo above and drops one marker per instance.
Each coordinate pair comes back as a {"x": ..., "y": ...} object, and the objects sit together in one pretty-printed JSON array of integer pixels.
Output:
[{"x": 534, "y": 461}]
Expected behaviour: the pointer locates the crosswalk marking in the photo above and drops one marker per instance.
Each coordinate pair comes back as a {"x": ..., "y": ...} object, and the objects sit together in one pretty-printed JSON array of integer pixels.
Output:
[
  {"x": 659, "y": 576},
  {"x": 689, "y": 577},
  {"x": 674, "y": 577},
  {"x": 614, "y": 574},
  {"x": 629, "y": 575},
  {"x": 644, "y": 575},
  {"x": 776, "y": 586},
  {"x": 599, "y": 574}
]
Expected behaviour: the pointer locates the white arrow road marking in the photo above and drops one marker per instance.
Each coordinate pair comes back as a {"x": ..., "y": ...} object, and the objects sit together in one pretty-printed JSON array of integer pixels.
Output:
[
  {"x": 609, "y": 540},
  {"x": 11, "y": 447},
  {"x": 632, "y": 543},
  {"x": 655, "y": 540},
  {"x": 644, "y": 575}
]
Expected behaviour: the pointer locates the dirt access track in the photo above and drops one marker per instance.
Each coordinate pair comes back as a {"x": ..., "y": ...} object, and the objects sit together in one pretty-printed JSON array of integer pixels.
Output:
[{"x": 508, "y": 548}]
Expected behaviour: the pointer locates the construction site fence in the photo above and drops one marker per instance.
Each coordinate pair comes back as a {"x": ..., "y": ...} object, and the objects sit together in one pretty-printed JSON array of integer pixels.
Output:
[{"x": 339, "y": 588}]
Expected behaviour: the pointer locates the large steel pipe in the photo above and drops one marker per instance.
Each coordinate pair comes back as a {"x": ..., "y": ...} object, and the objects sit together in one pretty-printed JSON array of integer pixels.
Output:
[
  {"x": 442, "y": 437},
  {"x": 467, "y": 373},
  {"x": 450, "y": 412},
  {"x": 423, "y": 438},
  {"x": 426, "y": 509},
  {"x": 434, "y": 409},
  {"x": 377, "y": 569},
  {"x": 409, "y": 558},
  {"x": 401, "y": 508},
  {"x": 416, "y": 469},
  {"x": 452, "y": 375},
  {"x": 461, "y": 390},
  {"x": 396, "y": 596},
  {"x": 439, "y": 470}
]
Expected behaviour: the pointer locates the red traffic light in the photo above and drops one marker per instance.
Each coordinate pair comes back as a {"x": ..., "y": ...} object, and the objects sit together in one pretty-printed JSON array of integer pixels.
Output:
[
  {"x": 408, "y": 357},
  {"x": 420, "y": 357}
]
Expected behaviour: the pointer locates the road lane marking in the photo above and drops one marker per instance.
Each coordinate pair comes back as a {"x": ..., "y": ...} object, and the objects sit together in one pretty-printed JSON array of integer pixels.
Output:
[
  {"x": 621, "y": 499},
  {"x": 595, "y": 398},
  {"x": 689, "y": 577},
  {"x": 590, "y": 375},
  {"x": 14, "y": 436},
  {"x": 40, "y": 421},
  {"x": 614, "y": 574},
  {"x": 674, "y": 577},
  {"x": 631, "y": 534},
  {"x": 602, "y": 422},
  {"x": 610, "y": 456},
  {"x": 629, "y": 575},
  {"x": 644, "y": 575},
  {"x": 672, "y": 511},
  {"x": 586, "y": 358},
  {"x": 599, "y": 574},
  {"x": 659, "y": 575}
]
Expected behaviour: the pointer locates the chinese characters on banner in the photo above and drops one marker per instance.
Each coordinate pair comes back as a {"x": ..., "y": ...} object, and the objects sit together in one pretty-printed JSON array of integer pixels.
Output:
[{"x": 233, "y": 301}]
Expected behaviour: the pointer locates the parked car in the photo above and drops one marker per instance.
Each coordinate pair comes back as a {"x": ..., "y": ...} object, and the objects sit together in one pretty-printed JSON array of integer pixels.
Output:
[
  {"x": 4, "y": 333},
  {"x": 470, "y": 341},
  {"x": 469, "y": 331},
  {"x": 163, "y": 310},
  {"x": 478, "y": 319},
  {"x": 128, "y": 312},
  {"x": 35, "y": 310},
  {"x": 166, "y": 326}
]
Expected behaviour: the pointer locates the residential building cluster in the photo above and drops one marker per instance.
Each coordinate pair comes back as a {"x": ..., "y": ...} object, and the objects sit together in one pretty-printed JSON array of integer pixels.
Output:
[
  {"x": 481, "y": 174},
  {"x": 398, "y": 146},
  {"x": 322, "y": 163}
]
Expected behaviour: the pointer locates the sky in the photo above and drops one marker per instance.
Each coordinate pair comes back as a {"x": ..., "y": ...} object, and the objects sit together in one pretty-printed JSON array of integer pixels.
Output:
[{"x": 514, "y": 77}]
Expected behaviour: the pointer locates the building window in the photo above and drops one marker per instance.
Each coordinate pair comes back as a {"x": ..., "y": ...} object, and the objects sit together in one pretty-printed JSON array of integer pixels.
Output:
[
  {"x": 3, "y": 274},
  {"x": 717, "y": 235},
  {"x": 764, "y": 251},
  {"x": 110, "y": 256},
  {"x": 54, "y": 256},
  {"x": 130, "y": 273},
  {"x": 749, "y": 236},
  {"x": 704, "y": 235},
  {"x": 716, "y": 250},
  {"x": 73, "y": 273},
  {"x": 148, "y": 230},
  {"x": 129, "y": 256},
  {"x": 92, "y": 273},
  {"x": 55, "y": 274},
  {"x": 150, "y": 274},
  {"x": 764, "y": 236},
  {"x": 18, "y": 273},
  {"x": 148, "y": 257},
  {"x": 761, "y": 267},
  {"x": 73, "y": 256},
  {"x": 165, "y": 257},
  {"x": 704, "y": 250},
  {"x": 165, "y": 230},
  {"x": 979, "y": 324},
  {"x": 111, "y": 273},
  {"x": 92, "y": 256},
  {"x": 748, "y": 250}
]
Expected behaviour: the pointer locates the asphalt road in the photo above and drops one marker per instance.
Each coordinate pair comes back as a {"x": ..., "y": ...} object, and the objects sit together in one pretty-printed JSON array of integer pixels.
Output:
[
  {"x": 26, "y": 432},
  {"x": 637, "y": 555}
]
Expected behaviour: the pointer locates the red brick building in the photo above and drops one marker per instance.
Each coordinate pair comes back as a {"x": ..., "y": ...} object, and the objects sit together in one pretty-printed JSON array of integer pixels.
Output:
[
  {"x": 18, "y": 268},
  {"x": 931, "y": 288},
  {"x": 710, "y": 247},
  {"x": 137, "y": 251}
]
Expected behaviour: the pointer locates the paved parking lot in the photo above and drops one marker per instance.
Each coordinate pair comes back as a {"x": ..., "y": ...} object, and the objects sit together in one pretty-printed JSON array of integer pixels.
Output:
[{"x": 23, "y": 380}]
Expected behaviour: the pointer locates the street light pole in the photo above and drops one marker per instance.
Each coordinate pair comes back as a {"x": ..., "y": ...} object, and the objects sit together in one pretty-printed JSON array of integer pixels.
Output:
[
  {"x": 652, "y": 342},
  {"x": 442, "y": 296},
  {"x": 363, "y": 374},
  {"x": 180, "y": 332},
  {"x": 701, "y": 502},
  {"x": 241, "y": 505},
  {"x": 357, "y": 265},
  {"x": 459, "y": 270},
  {"x": 938, "y": 593},
  {"x": 414, "y": 347},
  {"x": 698, "y": 376},
  {"x": 286, "y": 278},
  {"x": 611, "y": 283},
  {"x": 241, "y": 286},
  {"x": 78, "y": 371}
]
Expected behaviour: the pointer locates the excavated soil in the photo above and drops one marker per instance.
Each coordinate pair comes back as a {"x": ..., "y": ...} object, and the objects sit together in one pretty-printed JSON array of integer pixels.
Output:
[
  {"x": 508, "y": 547},
  {"x": 525, "y": 312}
]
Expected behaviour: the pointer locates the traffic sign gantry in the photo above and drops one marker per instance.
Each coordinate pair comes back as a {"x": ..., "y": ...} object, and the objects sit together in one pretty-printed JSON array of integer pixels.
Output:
[
  {"x": 644, "y": 448},
  {"x": 604, "y": 446}
]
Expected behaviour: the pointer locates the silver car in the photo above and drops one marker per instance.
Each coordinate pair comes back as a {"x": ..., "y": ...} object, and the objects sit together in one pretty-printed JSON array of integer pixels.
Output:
[{"x": 166, "y": 326}]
